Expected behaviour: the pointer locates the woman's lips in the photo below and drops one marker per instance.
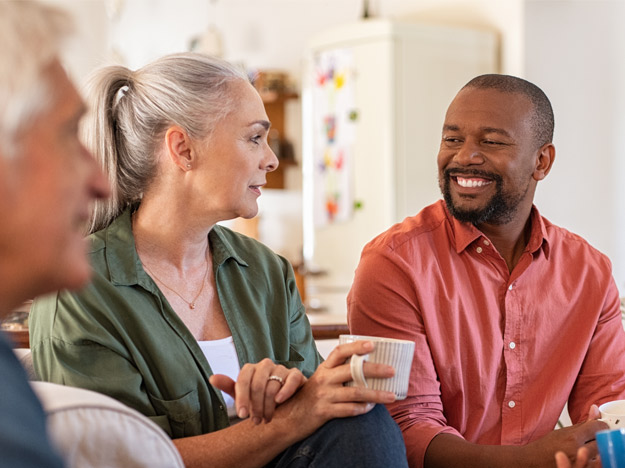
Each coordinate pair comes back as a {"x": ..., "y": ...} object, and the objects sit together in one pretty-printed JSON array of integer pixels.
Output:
[{"x": 256, "y": 188}]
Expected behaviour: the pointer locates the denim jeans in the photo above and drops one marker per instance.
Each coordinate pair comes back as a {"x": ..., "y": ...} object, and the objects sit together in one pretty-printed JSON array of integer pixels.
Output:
[{"x": 369, "y": 440}]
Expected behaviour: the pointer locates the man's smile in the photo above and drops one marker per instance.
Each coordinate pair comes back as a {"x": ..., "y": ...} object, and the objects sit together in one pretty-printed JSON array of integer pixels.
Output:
[{"x": 471, "y": 182}]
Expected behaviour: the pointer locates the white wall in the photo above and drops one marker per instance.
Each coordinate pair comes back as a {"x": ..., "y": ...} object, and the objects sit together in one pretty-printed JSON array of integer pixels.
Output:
[
  {"x": 575, "y": 51},
  {"x": 263, "y": 33}
]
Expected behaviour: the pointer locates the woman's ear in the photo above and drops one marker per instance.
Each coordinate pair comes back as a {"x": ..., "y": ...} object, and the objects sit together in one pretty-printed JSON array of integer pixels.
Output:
[
  {"x": 544, "y": 161},
  {"x": 179, "y": 147}
]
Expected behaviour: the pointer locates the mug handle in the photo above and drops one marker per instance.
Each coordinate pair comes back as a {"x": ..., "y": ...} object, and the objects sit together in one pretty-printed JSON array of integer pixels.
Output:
[{"x": 356, "y": 368}]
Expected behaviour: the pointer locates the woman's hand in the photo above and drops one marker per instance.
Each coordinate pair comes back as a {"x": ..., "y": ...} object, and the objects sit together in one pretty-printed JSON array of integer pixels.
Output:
[
  {"x": 319, "y": 399},
  {"x": 324, "y": 396},
  {"x": 255, "y": 394}
]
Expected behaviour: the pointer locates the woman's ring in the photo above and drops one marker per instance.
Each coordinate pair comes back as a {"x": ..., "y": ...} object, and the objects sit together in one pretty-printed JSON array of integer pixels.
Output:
[{"x": 277, "y": 379}]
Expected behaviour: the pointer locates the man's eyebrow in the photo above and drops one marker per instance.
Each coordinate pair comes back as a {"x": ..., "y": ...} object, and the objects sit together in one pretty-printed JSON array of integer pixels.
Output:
[
  {"x": 498, "y": 131},
  {"x": 450, "y": 128},
  {"x": 456, "y": 128}
]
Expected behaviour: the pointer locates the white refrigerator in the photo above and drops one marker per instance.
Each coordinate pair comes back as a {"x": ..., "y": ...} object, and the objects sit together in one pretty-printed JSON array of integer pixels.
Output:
[{"x": 374, "y": 98}]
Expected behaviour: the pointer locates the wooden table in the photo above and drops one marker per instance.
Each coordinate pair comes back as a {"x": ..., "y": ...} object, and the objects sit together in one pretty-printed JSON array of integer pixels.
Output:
[
  {"x": 329, "y": 331},
  {"x": 327, "y": 326},
  {"x": 19, "y": 338}
]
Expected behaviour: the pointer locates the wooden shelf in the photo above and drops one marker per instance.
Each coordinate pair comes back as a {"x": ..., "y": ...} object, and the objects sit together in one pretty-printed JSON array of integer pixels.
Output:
[
  {"x": 275, "y": 100},
  {"x": 270, "y": 97}
]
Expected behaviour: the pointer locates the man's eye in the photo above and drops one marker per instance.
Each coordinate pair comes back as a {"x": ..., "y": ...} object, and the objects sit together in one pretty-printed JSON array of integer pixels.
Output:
[
  {"x": 492, "y": 142},
  {"x": 256, "y": 139}
]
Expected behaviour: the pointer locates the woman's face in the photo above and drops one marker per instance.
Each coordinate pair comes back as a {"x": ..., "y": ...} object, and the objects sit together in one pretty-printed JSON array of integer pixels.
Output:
[{"x": 237, "y": 157}]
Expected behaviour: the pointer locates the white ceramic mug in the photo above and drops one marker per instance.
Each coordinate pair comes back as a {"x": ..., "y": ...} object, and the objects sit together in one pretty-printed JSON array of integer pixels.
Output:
[
  {"x": 613, "y": 414},
  {"x": 389, "y": 351}
]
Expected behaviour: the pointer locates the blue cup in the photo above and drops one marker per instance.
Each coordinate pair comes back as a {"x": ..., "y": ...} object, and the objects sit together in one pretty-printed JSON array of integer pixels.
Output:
[{"x": 611, "y": 445}]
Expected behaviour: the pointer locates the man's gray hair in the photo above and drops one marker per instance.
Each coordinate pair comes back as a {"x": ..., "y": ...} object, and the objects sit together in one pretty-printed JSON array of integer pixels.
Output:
[{"x": 30, "y": 34}]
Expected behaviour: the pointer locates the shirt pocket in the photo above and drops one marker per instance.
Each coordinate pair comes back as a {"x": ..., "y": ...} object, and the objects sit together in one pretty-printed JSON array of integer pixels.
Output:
[
  {"x": 294, "y": 359},
  {"x": 183, "y": 413}
]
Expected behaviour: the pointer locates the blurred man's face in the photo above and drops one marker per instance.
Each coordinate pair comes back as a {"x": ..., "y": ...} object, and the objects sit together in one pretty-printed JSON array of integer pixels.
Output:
[{"x": 46, "y": 193}]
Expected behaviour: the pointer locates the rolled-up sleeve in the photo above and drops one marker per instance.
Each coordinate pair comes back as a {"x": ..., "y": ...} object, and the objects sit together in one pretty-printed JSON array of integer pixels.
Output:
[{"x": 602, "y": 376}]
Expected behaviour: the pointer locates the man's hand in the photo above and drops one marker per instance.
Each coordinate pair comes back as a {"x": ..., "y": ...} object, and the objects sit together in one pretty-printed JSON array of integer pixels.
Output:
[
  {"x": 581, "y": 460},
  {"x": 582, "y": 457},
  {"x": 572, "y": 447}
]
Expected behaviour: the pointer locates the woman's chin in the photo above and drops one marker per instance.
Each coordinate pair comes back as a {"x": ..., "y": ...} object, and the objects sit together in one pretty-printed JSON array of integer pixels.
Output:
[{"x": 249, "y": 214}]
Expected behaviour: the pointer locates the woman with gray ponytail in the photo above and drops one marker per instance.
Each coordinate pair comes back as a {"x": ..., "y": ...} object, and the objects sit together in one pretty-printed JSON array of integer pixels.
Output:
[{"x": 198, "y": 327}]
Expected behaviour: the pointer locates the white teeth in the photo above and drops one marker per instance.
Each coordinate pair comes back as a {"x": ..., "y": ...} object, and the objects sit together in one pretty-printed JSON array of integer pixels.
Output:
[{"x": 472, "y": 182}]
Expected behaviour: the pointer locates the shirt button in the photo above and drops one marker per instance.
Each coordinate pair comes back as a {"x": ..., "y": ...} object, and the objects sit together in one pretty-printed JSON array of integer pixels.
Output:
[
  {"x": 486, "y": 242},
  {"x": 511, "y": 404},
  {"x": 221, "y": 407},
  {"x": 479, "y": 250},
  {"x": 512, "y": 345}
]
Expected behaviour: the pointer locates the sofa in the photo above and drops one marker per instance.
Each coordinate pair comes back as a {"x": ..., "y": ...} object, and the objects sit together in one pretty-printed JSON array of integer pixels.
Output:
[{"x": 92, "y": 430}]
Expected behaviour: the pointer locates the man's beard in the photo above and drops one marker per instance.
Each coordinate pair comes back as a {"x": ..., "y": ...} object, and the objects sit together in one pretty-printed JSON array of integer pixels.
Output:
[{"x": 499, "y": 210}]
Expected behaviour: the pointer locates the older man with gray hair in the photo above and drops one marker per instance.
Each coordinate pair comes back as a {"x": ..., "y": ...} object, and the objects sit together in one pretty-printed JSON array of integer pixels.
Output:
[{"x": 47, "y": 181}]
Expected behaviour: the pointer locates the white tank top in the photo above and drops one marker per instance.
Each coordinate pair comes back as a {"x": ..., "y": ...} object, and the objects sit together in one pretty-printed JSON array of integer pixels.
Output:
[{"x": 223, "y": 359}]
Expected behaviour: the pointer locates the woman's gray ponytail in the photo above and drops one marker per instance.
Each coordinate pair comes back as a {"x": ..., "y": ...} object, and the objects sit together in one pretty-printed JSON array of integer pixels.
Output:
[{"x": 131, "y": 111}]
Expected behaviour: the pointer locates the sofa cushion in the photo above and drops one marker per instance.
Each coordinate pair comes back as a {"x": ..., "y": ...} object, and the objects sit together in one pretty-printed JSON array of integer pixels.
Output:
[
  {"x": 94, "y": 430},
  {"x": 26, "y": 359}
]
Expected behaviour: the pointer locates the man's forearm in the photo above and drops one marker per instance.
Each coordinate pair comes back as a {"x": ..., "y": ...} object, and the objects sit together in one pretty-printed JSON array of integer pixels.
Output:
[{"x": 449, "y": 451}]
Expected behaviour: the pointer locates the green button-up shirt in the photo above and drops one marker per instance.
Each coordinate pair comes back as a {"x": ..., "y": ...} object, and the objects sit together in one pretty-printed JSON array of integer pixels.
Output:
[{"x": 119, "y": 335}]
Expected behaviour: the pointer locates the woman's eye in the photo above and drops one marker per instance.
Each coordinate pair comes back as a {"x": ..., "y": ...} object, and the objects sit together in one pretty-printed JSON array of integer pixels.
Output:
[{"x": 256, "y": 139}]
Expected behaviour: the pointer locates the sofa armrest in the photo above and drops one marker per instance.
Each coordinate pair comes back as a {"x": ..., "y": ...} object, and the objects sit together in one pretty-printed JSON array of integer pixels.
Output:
[{"x": 93, "y": 430}]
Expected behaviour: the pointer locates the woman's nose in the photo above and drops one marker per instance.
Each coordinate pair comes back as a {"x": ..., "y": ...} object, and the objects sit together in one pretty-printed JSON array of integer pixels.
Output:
[{"x": 270, "y": 161}]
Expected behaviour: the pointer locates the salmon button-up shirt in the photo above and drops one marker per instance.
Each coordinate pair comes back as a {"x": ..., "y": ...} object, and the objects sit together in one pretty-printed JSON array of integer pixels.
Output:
[{"x": 498, "y": 354}]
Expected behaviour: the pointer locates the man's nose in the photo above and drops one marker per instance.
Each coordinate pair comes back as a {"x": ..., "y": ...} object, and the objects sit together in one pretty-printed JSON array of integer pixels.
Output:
[
  {"x": 99, "y": 186},
  {"x": 469, "y": 153}
]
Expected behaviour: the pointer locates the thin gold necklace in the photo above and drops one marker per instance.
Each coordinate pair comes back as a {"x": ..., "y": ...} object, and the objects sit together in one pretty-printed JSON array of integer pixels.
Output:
[{"x": 190, "y": 304}]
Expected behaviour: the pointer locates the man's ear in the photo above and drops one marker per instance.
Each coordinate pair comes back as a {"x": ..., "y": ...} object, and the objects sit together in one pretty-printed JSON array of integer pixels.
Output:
[
  {"x": 544, "y": 161},
  {"x": 179, "y": 147}
]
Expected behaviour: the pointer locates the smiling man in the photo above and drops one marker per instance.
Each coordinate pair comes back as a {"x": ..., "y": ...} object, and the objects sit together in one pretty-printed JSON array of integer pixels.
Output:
[{"x": 512, "y": 316}]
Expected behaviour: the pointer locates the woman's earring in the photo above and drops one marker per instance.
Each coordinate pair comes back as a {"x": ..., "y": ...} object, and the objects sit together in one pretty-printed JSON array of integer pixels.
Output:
[{"x": 188, "y": 165}]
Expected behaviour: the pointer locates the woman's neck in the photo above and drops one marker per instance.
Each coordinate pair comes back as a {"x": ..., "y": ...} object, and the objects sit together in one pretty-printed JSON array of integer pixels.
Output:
[{"x": 168, "y": 234}]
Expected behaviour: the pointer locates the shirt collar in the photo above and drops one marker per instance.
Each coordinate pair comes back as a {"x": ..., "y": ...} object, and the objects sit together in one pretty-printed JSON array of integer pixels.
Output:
[
  {"x": 123, "y": 261},
  {"x": 222, "y": 247},
  {"x": 465, "y": 233}
]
